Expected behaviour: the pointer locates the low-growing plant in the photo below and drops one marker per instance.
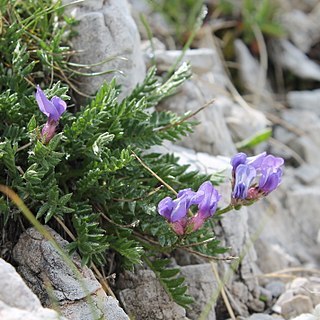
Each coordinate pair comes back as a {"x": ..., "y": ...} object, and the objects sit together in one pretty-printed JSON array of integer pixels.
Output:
[{"x": 88, "y": 166}]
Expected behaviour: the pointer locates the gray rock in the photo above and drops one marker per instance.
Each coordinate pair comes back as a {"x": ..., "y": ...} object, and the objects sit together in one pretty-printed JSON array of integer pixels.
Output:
[
  {"x": 308, "y": 174},
  {"x": 305, "y": 316},
  {"x": 260, "y": 316},
  {"x": 307, "y": 144},
  {"x": 17, "y": 301},
  {"x": 144, "y": 298},
  {"x": 272, "y": 256},
  {"x": 295, "y": 306},
  {"x": 41, "y": 266},
  {"x": 303, "y": 5},
  {"x": 306, "y": 286},
  {"x": 316, "y": 311},
  {"x": 244, "y": 123},
  {"x": 266, "y": 295},
  {"x": 250, "y": 70},
  {"x": 305, "y": 100},
  {"x": 302, "y": 28},
  {"x": 276, "y": 288},
  {"x": 212, "y": 136},
  {"x": 280, "y": 223},
  {"x": 202, "y": 286},
  {"x": 202, "y": 60},
  {"x": 106, "y": 29},
  {"x": 290, "y": 57}
]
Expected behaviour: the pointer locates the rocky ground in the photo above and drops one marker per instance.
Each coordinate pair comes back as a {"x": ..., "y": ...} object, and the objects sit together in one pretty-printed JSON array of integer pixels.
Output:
[{"x": 277, "y": 239}]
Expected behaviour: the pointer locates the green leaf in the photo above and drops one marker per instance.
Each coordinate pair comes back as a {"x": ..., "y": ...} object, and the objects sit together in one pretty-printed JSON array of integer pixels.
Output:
[
  {"x": 32, "y": 124},
  {"x": 170, "y": 281},
  {"x": 254, "y": 140}
]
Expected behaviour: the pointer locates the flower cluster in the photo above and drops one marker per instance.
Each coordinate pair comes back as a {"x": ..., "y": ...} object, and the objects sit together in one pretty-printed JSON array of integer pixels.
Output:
[
  {"x": 252, "y": 179},
  {"x": 176, "y": 211},
  {"x": 53, "y": 109}
]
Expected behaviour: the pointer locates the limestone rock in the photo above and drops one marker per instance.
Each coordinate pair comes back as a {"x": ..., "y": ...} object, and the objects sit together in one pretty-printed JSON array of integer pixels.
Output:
[
  {"x": 212, "y": 136},
  {"x": 271, "y": 256},
  {"x": 250, "y": 70},
  {"x": 303, "y": 5},
  {"x": 202, "y": 60},
  {"x": 42, "y": 267},
  {"x": 305, "y": 100},
  {"x": 261, "y": 316},
  {"x": 290, "y": 57},
  {"x": 144, "y": 298},
  {"x": 17, "y": 301},
  {"x": 280, "y": 223},
  {"x": 307, "y": 145},
  {"x": 295, "y": 306},
  {"x": 244, "y": 123},
  {"x": 202, "y": 286},
  {"x": 302, "y": 28},
  {"x": 308, "y": 174},
  {"x": 276, "y": 288},
  {"x": 305, "y": 316},
  {"x": 299, "y": 298},
  {"x": 106, "y": 29}
]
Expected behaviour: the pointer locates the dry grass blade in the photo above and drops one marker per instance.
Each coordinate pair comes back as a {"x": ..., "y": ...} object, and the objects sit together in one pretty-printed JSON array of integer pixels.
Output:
[{"x": 186, "y": 117}]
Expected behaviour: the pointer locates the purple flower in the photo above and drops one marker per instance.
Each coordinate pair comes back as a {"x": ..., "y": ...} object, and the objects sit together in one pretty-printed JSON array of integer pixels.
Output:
[
  {"x": 254, "y": 177},
  {"x": 53, "y": 109},
  {"x": 207, "y": 204},
  {"x": 244, "y": 176},
  {"x": 176, "y": 211}
]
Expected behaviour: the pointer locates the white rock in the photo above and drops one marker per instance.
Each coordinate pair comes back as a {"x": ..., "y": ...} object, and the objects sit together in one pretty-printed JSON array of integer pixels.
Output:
[
  {"x": 272, "y": 256},
  {"x": 212, "y": 135},
  {"x": 305, "y": 316},
  {"x": 10, "y": 313},
  {"x": 250, "y": 70},
  {"x": 202, "y": 60},
  {"x": 316, "y": 311},
  {"x": 296, "y": 306},
  {"x": 260, "y": 316},
  {"x": 302, "y": 28},
  {"x": 303, "y": 5},
  {"x": 244, "y": 123},
  {"x": 308, "y": 174},
  {"x": 106, "y": 29},
  {"x": 293, "y": 59},
  {"x": 298, "y": 284},
  {"x": 202, "y": 285},
  {"x": 307, "y": 145},
  {"x": 78, "y": 299},
  {"x": 143, "y": 297},
  {"x": 276, "y": 288},
  {"x": 280, "y": 222},
  {"x": 305, "y": 100},
  {"x": 17, "y": 301}
]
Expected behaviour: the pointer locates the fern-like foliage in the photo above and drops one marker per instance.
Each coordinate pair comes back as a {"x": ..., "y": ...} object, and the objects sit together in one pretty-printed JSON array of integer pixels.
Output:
[
  {"x": 171, "y": 282},
  {"x": 87, "y": 175}
]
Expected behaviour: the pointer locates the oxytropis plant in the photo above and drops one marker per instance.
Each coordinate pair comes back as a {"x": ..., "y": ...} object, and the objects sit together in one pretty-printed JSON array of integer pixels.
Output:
[{"x": 85, "y": 167}]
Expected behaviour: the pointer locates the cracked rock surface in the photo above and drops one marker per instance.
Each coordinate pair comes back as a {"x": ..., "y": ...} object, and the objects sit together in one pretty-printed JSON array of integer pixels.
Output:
[
  {"x": 17, "y": 301},
  {"x": 52, "y": 280},
  {"x": 106, "y": 29}
]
